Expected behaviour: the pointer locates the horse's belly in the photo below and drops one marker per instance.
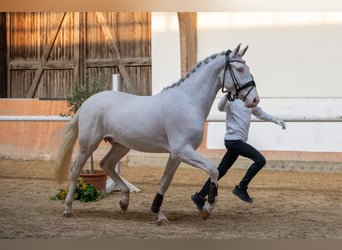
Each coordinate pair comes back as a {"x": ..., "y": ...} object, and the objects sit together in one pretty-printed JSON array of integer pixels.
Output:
[
  {"x": 144, "y": 144},
  {"x": 141, "y": 139}
]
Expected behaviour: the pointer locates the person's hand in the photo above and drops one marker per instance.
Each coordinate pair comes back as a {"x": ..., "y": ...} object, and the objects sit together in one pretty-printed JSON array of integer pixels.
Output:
[
  {"x": 230, "y": 96},
  {"x": 280, "y": 123}
]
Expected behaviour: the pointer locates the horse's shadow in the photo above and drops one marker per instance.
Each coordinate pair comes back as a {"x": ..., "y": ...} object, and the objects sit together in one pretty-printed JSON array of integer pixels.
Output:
[
  {"x": 134, "y": 215},
  {"x": 145, "y": 215}
]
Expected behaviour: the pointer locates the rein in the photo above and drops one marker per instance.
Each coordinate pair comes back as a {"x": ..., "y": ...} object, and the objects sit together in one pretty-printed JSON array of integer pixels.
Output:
[{"x": 238, "y": 87}]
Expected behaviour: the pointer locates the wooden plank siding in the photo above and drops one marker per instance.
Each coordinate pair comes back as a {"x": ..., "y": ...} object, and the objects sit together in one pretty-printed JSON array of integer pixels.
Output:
[
  {"x": 48, "y": 53},
  {"x": 3, "y": 56}
]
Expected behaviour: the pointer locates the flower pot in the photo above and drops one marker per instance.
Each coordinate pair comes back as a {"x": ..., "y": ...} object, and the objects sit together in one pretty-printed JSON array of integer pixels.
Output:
[{"x": 98, "y": 179}]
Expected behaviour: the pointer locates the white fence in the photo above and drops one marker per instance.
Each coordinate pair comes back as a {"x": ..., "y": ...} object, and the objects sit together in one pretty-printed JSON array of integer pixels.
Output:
[
  {"x": 211, "y": 118},
  {"x": 34, "y": 118},
  {"x": 313, "y": 125}
]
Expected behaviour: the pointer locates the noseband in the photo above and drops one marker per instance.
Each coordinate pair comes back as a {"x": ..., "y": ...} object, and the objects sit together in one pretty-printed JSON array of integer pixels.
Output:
[{"x": 238, "y": 87}]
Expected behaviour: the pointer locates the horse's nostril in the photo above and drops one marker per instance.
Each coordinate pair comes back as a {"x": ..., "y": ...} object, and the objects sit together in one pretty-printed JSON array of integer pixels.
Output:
[{"x": 256, "y": 100}]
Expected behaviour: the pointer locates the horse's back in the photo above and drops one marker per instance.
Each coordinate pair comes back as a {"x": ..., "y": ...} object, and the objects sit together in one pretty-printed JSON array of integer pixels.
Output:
[
  {"x": 134, "y": 121},
  {"x": 104, "y": 98}
]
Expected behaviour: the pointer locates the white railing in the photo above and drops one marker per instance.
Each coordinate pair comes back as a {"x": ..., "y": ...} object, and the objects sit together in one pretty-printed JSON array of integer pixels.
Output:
[
  {"x": 211, "y": 118},
  {"x": 34, "y": 118},
  {"x": 317, "y": 118}
]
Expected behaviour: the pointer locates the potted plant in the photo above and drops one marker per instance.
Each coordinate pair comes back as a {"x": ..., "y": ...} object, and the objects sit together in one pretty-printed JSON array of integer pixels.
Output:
[{"x": 97, "y": 178}]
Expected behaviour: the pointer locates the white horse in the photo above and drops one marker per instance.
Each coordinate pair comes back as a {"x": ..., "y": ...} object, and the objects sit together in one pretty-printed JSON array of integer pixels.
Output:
[{"x": 171, "y": 121}]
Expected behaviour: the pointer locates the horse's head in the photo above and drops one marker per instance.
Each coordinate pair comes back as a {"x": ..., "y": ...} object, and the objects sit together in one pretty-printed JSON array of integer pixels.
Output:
[{"x": 237, "y": 79}]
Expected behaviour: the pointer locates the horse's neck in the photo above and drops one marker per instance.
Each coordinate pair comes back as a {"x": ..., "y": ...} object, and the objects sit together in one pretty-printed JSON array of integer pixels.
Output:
[{"x": 202, "y": 86}]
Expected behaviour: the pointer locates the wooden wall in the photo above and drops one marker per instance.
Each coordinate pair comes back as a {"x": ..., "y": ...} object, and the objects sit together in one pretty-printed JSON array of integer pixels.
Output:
[
  {"x": 48, "y": 53},
  {"x": 3, "y": 67}
]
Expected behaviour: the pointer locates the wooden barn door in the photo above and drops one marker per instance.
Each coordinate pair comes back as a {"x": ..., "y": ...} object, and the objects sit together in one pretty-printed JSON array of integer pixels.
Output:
[
  {"x": 48, "y": 53},
  {"x": 42, "y": 52}
]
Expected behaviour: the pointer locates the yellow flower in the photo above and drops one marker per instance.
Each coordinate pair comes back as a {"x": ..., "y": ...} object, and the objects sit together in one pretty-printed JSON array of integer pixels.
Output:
[
  {"x": 84, "y": 186},
  {"x": 63, "y": 195},
  {"x": 81, "y": 192}
]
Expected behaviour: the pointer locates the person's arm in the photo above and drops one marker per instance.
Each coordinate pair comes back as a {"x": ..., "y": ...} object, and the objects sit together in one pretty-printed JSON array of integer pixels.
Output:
[
  {"x": 259, "y": 113},
  {"x": 222, "y": 104}
]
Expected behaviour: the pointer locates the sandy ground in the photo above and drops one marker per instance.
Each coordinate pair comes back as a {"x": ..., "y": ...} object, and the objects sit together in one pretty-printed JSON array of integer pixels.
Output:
[{"x": 287, "y": 205}]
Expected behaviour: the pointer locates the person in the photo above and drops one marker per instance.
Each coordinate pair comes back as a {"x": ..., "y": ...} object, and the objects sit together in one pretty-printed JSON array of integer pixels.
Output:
[{"x": 238, "y": 119}]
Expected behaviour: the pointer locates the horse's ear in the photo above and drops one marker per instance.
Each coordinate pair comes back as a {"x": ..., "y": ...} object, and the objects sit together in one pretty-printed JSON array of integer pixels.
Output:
[
  {"x": 242, "y": 52},
  {"x": 235, "y": 52}
]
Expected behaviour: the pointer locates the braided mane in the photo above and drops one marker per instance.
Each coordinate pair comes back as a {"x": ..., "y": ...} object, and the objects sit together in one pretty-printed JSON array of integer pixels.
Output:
[{"x": 194, "y": 69}]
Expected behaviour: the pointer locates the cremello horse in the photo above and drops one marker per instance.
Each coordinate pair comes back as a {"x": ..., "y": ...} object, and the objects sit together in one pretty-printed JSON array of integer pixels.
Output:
[{"x": 171, "y": 121}]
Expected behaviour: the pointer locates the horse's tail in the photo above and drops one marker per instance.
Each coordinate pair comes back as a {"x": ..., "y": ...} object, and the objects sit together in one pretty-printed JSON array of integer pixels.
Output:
[{"x": 65, "y": 150}]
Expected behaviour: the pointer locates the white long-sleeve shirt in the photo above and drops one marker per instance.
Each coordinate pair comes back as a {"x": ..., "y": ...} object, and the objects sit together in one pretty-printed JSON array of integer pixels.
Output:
[{"x": 238, "y": 118}]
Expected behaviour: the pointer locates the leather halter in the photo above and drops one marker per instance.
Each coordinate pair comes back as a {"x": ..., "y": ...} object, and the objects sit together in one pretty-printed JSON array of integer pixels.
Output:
[{"x": 238, "y": 87}]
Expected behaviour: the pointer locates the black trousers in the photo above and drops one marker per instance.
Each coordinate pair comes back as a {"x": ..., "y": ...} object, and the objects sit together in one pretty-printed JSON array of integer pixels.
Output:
[{"x": 235, "y": 148}]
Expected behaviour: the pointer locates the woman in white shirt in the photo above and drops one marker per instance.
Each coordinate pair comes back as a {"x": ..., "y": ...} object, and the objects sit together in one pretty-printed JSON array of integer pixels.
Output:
[{"x": 238, "y": 119}]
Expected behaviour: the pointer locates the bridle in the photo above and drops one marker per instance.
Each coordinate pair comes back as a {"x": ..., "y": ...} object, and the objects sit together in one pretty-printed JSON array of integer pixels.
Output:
[{"x": 238, "y": 87}]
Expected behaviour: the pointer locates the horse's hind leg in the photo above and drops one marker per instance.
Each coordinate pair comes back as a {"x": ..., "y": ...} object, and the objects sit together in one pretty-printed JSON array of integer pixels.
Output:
[
  {"x": 108, "y": 165},
  {"x": 75, "y": 173},
  {"x": 169, "y": 172}
]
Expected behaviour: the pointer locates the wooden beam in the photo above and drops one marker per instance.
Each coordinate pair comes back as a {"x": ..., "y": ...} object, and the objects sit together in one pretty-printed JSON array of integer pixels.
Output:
[
  {"x": 113, "y": 62},
  {"x": 34, "y": 65},
  {"x": 70, "y": 64},
  {"x": 188, "y": 40}
]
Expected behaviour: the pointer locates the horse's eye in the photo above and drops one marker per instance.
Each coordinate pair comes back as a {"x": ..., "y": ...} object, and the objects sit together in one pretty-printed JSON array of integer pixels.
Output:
[{"x": 240, "y": 69}]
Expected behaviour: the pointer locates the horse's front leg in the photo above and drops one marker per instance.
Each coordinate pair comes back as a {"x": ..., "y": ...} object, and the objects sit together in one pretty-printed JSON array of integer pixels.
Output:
[
  {"x": 209, "y": 207},
  {"x": 169, "y": 172},
  {"x": 190, "y": 156}
]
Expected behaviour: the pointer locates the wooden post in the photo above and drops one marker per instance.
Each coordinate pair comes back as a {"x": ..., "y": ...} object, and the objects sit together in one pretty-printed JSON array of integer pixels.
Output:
[{"x": 188, "y": 40}]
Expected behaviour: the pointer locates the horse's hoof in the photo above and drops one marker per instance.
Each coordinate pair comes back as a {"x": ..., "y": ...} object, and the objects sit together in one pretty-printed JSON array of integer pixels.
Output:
[
  {"x": 205, "y": 214},
  {"x": 163, "y": 222},
  {"x": 123, "y": 206},
  {"x": 68, "y": 214}
]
